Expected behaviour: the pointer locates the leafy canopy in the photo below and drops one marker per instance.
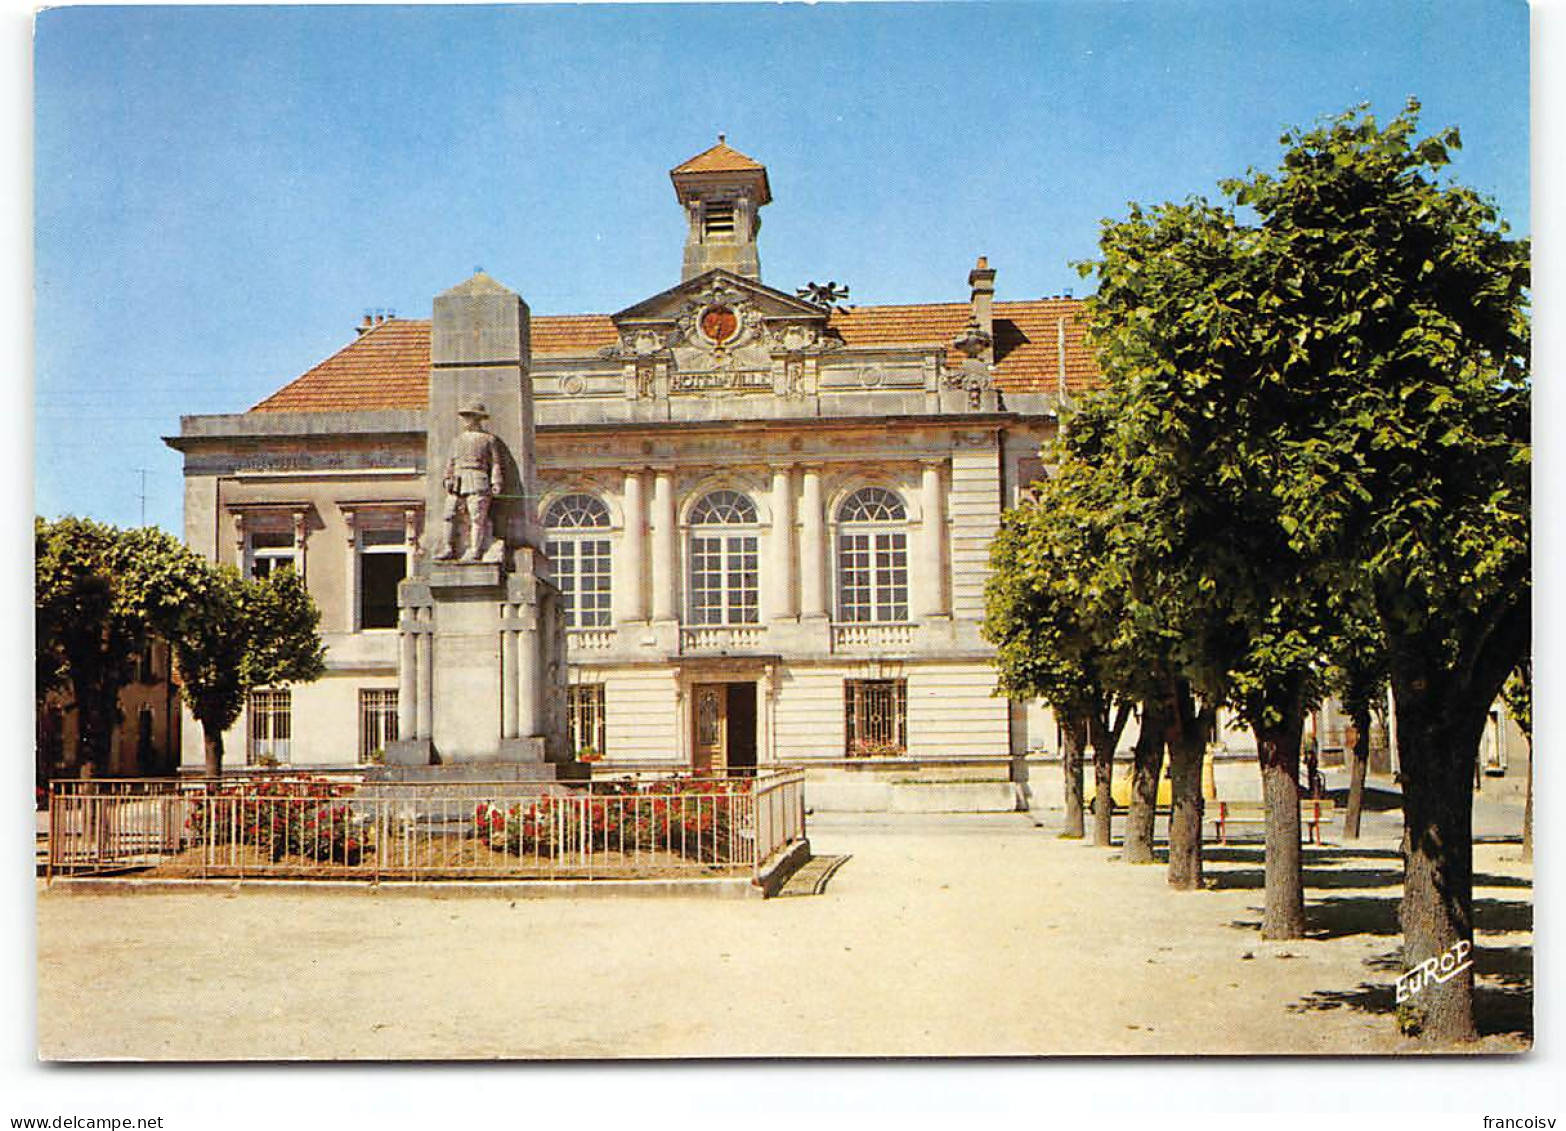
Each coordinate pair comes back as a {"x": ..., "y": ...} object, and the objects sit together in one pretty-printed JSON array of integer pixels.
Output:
[{"x": 246, "y": 634}]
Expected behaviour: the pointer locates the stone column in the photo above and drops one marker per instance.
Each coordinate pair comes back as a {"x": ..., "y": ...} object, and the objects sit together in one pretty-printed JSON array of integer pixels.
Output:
[
  {"x": 783, "y": 557},
  {"x": 665, "y": 584},
  {"x": 508, "y": 679},
  {"x": 424, "y": 666},
  {"x": 931, "y": 586},
  {"x": 238, "y": 519},
  {"x": 301, "y": 532},
  {"x": 629, "y": 591},
  {"x": 812, "y": 547},
  {"x": 407, "y": 681},
  {"x": 351, "y": 613},
  {"x": 410, "y": 538},
  {"x": 527, "y": 690}
]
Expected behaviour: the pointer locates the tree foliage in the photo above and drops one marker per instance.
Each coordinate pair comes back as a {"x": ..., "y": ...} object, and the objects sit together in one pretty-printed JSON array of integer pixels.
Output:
[
  {"x": 245, "y": 634},
  {"x": 1080, "y": 620},
  {"x": 102, "y": 594},
  {"x": 1405, "y": 309},
  {"x": 1316, "y": 458},
  {"x": 1320, "y": 391}
]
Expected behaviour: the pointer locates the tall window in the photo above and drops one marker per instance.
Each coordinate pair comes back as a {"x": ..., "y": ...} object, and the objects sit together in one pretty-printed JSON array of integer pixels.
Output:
[
  {"x": 579, "y": 547},
  {"x": 724, "y": 570},
  {"x": 585, "y": 714},
  {"x": 270, "y": 728},
  {"x": 872, "y": 558},
  {"x": 271, "y": 550},
  {"x": 383, "y": 563},
  {"x": 875, "y": 716},
  {"x": 377, "y": 722}
]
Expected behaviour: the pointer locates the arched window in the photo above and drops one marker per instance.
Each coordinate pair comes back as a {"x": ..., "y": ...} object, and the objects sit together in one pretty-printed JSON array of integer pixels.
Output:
[
  {"x": 723, "y": 508},
  {"x": 724, "y": 572},
  {"x": 872, "y": 558},
  {"x": 579, "y": 546}
]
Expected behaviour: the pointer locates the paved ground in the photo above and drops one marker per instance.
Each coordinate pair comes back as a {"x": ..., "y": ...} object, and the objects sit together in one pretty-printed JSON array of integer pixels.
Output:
[{"x": 939, "y": 935}]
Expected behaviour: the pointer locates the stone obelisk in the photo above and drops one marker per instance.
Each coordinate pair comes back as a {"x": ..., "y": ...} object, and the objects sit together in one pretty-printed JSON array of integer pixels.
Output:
[{"x": 481, "y": 662}]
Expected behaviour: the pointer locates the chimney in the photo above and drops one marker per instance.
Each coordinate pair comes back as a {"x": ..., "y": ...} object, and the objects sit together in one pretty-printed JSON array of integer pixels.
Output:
[
  {"x": 363, "y": 327},
  {"x": 982, "y": 280}
]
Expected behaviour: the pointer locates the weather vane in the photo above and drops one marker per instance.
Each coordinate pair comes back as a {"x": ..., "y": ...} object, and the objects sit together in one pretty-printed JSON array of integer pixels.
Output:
[{"x": 827, "y": 295}]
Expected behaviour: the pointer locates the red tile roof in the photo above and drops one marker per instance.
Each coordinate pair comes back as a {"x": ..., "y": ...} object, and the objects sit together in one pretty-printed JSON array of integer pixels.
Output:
[
  {"x": 1028, "y": 357},
  {"x": 721, "y": 158},
  {"x": 388, "y": 366}
]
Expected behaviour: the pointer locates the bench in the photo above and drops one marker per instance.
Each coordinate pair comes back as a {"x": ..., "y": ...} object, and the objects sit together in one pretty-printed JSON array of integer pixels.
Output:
[
  {"x": 1120, "y": 810},
  {"x": 1313, "y": 811}
]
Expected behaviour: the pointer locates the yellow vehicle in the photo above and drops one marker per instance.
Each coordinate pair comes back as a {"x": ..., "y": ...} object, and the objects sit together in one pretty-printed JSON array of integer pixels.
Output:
[{"x": 1120, "y": 787}]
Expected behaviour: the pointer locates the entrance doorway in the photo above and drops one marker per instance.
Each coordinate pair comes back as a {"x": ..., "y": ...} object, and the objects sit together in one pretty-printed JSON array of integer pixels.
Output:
[{"x": 723, "y": 728}]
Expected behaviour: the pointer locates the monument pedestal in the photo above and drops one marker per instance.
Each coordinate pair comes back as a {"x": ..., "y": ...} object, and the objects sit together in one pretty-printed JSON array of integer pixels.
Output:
[
  {"x": 481, "y": 658},
  {"x": 469, "y": 773}
]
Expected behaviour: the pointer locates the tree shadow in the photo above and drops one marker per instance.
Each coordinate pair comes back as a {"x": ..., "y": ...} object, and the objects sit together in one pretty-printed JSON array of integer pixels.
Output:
[
  {"x": 1372, "y": 800},
  {"x": 1319, "y": 878},
  {"x": 1312, "y": 855},
  {"x": 1315, "y": 880},
  {"x": 1503, "y": 999},
  {"x": 1337, "y": 917}
]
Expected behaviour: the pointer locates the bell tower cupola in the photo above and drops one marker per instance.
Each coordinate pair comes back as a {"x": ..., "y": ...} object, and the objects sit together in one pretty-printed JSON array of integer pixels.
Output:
[{"x": 723, "y": 192}]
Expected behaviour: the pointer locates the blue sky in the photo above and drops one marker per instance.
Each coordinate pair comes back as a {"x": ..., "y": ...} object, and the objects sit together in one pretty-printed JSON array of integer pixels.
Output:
[{"x": 222, "y": 192}]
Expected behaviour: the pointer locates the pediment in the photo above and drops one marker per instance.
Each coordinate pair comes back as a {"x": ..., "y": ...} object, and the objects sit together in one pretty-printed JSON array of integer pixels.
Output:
[{"x": 717, "y": 287}]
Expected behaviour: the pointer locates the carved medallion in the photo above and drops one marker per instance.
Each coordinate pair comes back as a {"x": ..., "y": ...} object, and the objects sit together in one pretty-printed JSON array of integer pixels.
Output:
[{"x": 719, "y": 324}]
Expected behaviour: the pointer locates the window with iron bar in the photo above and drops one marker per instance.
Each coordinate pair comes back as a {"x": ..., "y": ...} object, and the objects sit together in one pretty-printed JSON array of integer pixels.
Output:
[
  {"x": 875, "y": 716},
  {"x": 377, "y": 722},
  {"x": 271, "y": 727},
  {"x": 585, "y": 716}
]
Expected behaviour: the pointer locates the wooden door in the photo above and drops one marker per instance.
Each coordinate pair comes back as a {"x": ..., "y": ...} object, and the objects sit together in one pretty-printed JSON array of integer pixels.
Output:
[{"x": 709, "y": 728}]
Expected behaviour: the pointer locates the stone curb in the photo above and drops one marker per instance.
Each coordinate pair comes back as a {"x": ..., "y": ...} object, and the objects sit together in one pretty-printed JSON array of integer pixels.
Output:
[
  {"x": 725, "y": 887},
  {"x": 785, "y": 865}
]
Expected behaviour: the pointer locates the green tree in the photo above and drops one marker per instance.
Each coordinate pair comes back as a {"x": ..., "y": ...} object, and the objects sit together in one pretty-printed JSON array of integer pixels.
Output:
[
  {"x": 1404, "y": 305},
  {"x": 1180, "y": 326},
  {"x": 241, "y": 635},
  {"x": 1051, "y": 622},
  {"x": 101, "y": 594},
  {"x": 1077, "y": 621},
  {"x": 1359, "y": 678},
  {"x": 1328, "y": 397}
]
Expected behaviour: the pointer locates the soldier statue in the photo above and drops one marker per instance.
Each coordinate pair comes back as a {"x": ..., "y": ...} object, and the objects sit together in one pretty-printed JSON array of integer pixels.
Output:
[{"x": 475, "y": 473}]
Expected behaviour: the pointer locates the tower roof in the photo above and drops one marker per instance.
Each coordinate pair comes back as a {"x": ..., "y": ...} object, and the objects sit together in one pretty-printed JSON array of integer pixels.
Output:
[{"x": 723, "y": 159}]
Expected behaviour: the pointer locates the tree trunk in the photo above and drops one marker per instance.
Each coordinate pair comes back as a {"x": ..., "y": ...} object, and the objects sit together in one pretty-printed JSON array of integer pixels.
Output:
[
  {"x": 1438, "y": 748},
  {"x": 1147, "y": 766},
  {"x": 1278, "y": 750},
  {"x": 97, "y": 715},
  {"x": 1187, "y": 744},
  {"x": 212, "y": 745},
  {"x": 1359, "y": 763},
  {"x": 1527, "y": 845},
  {"x": 1103, "y": 779},
  {"x": 1073, "y": 737}
]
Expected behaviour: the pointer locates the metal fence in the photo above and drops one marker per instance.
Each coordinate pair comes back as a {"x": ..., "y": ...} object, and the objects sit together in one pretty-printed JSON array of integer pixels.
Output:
[{"x": 343, "y": 827}]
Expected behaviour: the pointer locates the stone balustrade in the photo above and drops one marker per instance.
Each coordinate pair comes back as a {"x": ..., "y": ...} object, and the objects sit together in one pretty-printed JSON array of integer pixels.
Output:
[
  {"x": 725, "y": 638},
  {"x": 579, "y": 640},
  {"x": 878, "y": 638}
]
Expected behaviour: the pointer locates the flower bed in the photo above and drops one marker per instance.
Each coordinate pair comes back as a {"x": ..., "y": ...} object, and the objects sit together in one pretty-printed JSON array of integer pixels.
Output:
[
  {"x": 300, "y": 817},
  {"x": 304, "y": 826},
  {"x": 693, "y": 818}
]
